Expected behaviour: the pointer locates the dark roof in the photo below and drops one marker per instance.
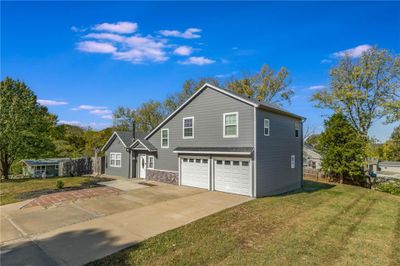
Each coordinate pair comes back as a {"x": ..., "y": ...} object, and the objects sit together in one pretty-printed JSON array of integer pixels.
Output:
[
  {"x": 215, "y": 149},
  {"x": 53, "y": 161},
  {"x": 146, "y": 143},
  {"x": 125, "y": 136}
]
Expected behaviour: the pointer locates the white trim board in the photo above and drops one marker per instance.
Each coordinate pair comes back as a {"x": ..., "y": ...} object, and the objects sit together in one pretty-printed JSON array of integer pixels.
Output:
[{"x": 213, "y": 152}]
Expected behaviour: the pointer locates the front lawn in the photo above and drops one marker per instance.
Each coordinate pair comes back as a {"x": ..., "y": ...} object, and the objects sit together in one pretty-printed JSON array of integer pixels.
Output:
[
  {"x": 14, "y": 190},
  {"x": 323, "y": 224}
]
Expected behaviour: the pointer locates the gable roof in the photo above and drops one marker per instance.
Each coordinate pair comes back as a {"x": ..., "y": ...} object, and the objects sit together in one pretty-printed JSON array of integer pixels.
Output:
[
  {"x": 141, "y": 142},
  {"x": 36, "y": 162},
  {"x": 124, "y": 136},
  {"x": 257, "y": 104}
]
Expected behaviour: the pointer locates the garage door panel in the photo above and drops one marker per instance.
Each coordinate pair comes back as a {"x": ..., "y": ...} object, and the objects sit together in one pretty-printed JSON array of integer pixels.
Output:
[
  {"x": 233, "y": 176},
  {"x": 195, "y": 172}
]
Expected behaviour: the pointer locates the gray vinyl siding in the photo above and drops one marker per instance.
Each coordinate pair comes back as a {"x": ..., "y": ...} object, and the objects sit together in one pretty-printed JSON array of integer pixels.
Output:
[
  {"x": 274, "y": 172},
  {"x": 117, "y": 146},
  {"x": 207, "y": 109}
]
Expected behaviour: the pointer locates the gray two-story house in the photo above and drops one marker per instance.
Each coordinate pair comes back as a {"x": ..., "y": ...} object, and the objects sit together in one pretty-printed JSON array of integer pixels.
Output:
[{"x": 216, "y": 140}]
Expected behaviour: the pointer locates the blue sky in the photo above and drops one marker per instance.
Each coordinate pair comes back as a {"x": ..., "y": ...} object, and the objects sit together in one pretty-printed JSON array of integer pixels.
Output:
[{"x": 86, "y": 58}]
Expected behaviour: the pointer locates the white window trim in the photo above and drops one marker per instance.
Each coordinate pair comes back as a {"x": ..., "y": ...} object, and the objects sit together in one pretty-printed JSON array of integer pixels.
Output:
[
  {"x": 237, "y": 125},
  {"x": 183, "y": 127},
  {"x": 162, "y": 146},
  {"x": 148, "y": 163},
  {"x": 297, "y": 128},
  {"x": 293, "y": 161},
  {"x": 269, "y": 127},
  {"x": 115, "y": 154}
]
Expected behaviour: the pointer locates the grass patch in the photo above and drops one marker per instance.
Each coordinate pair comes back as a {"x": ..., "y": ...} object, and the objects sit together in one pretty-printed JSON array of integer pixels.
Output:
[
  {"x": 321, "y": 224},
  {"x": 14, "y": 190}
]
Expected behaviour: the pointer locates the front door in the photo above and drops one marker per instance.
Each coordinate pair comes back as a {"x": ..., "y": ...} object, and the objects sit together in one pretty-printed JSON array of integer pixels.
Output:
[{"x": 142, "y": 167}]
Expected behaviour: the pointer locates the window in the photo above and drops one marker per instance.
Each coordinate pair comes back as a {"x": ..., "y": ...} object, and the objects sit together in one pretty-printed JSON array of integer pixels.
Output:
[
  {"x": 227, "y": 162},
  {"x": 165, "y": 138},
  {"x": 198, "y": 161},
  {"x": 184, "y": 160},
  {"x": 235, "y": 163},
  {"x": 56, "y": 167},
  {"x": 151, "y": 162},
  {"x": 191, "y": 160},
  {"x": 205, "y": 161},
  {"x": 245, "y": 163},
  {"x": 292, "y": 161},
  {"x": 219, "y": 162},
  {"x": 188, "y": 132},
  {"x": 296, "y": 129},
  {"x": 115, "y": 159},
  {"x": 231, "y": 125},
  {"x": 266, "y": 127}
]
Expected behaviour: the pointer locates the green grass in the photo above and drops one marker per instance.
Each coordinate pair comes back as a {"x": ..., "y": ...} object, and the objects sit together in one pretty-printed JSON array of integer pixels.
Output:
[
  {"x": 14, "y": 190},
  {"x": 323, "y": 224}
]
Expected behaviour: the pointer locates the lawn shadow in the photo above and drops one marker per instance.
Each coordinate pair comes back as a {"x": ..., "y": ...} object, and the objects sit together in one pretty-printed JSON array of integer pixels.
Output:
[
  {"x": 69, "y": 248},
  {"x": 309, "y": 187}
]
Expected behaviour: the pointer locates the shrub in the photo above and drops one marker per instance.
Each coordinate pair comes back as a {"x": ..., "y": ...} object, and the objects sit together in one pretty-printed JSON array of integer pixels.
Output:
[
  {"x": 389, "y": 187},
  {"x": 60, "y": 184}
]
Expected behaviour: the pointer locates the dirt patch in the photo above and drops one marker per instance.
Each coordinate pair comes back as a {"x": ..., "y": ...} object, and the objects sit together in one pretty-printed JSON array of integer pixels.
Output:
[{"x": 147, "y": 184}]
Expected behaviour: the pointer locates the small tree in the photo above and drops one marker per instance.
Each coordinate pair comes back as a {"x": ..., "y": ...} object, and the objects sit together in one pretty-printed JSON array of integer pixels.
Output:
[
  {"x": 392, "y": 146},
  {"x": 123, "y": 118},
  {"x": 342, "y": 148},
  {"x": 25, "y": 126}
]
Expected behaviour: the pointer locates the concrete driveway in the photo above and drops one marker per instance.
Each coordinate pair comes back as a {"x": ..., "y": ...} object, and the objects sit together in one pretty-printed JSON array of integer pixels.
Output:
[{"x": 75, "y": 233}]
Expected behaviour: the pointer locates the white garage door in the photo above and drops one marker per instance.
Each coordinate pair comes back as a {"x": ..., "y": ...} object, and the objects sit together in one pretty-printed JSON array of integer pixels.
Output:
[
  {"x": 232, "y": 175},
  {"x": 195, "y": 172}
]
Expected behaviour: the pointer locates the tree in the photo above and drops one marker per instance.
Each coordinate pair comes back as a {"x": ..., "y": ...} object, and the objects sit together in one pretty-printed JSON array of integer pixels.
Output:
[
  {"x": 25, "y": 126},
  {"x": 96, "y": 139},
  {"x": 188, "y": 89},
  {"x": 148, "y": 116},
  {"x": 312, "y": 140},
  {"x": 123, "y": 118},
  {"x": 392, "y": 146},
  {"x": 266, "y": 86},
  {"x": 342, "y": 149},
  {"x": 364, "y": 89}
]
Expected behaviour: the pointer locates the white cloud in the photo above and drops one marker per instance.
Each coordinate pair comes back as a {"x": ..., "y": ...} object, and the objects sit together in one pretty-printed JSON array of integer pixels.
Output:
[
  {"x": 183, "y": 50},
  {"x": 200, "y": 60},
  {"x": 96, "y": 47},
  {"x": 187, "y": 34},
  {"x": 109, "y": 117},
  {"x": 100, "y": 112},
  {"x": 316, "y": 87},
  {"x": 76, "y": 29},
  {"x": 88, "y": 107},
  {"x": 105, "y": 36},
  {"x": 51, "y": 102},
  {"x": 354, "y": 52},
  {"x": 119, "y": 27},
  {"x": 326, "y": 61}
]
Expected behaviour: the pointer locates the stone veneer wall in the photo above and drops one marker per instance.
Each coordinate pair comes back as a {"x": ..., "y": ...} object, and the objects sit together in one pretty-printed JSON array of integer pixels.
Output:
[{"x": 162, "y": 176}]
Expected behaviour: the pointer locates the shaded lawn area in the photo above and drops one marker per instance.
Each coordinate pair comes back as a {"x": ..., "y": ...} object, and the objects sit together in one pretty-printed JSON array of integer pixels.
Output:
[
  {"x": 321, "y": 224},
  {"x": 14, "y": 190}
]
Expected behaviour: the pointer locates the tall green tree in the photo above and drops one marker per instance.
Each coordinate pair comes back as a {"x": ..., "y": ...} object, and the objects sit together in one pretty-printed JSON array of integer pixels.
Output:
[
  {"x": 364, "y": 89},
  {"x": 123, "y": 118},
  {"x": 342, "y": 149},
  {"x": 25, "y": 126},
  {"x": 148, "y": 116},
  {"x": 188, "y": 89},
  {"x": 266, "y": 85}
]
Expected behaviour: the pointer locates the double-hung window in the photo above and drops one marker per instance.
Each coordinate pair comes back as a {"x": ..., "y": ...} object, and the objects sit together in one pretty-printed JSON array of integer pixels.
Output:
[
  {"x": 296, "y": 129},
  {"x": 231, "y": 125},
  {"x": 188, "y": 127},
  {"x": 266, "y": 127},
  {"x": 115, "y": 159},
  {"x": 292, "y": 161},
  {"x": 165, "y": 138},
  {"x": 151, "y": 162}
]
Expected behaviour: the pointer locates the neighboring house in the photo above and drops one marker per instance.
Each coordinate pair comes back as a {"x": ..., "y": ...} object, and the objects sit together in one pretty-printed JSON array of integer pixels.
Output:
[
  {"x": 389, "y": 167},
  {"x": 216, "y": 140},
  {"x": 312, "y": 159},
  {"x": 41, "y": 168}
]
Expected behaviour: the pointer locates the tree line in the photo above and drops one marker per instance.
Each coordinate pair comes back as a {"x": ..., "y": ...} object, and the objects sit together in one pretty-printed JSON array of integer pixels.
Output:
[{"x": 361, "y": 91}]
